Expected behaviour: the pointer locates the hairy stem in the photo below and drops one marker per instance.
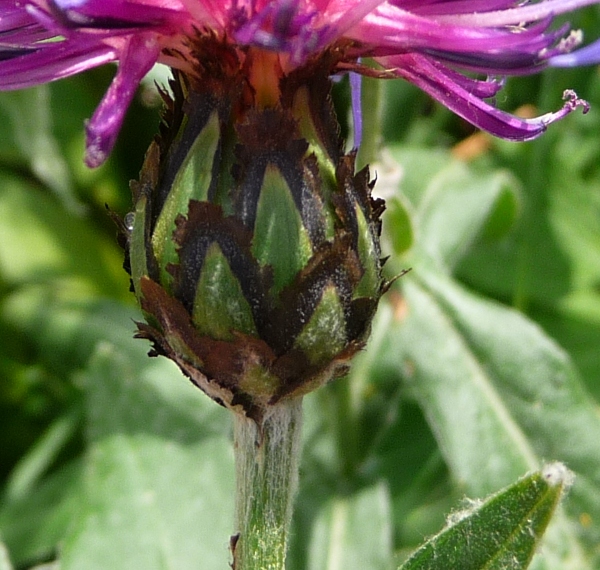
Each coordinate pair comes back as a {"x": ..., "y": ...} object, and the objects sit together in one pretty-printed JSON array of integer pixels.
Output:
[{"x": 267, "y": 458}]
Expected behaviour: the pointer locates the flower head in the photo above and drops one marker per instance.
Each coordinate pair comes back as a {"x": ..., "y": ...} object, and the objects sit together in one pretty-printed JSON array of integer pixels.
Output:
[
  {"x": 431, "y": 43},
  {"x": 253, "y": 246}
]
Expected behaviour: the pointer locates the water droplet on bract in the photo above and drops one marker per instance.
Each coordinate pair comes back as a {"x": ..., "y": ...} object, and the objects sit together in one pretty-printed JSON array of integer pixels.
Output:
[{"x": 128, "y": 221}]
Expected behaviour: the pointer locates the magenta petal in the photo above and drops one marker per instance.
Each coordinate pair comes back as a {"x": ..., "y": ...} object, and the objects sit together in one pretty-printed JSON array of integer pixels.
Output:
[
  {"x": 111, "y": 14},
  {"x": 102, "y": 129},
  {"x": 432, "y": 78},
  {"x": 435, "y": 44},
  {"x": 33, "y": 66},
  {"x": 356, "y": 96},
  {"x": 589, "y": 55}
]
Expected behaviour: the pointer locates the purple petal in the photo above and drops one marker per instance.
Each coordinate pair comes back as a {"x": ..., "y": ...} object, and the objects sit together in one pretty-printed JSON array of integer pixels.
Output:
[
  {"x": 514, "y": 14},
  {"x": 432, "y": 78},
  {"x": 29, "y": 67},
  {"x": 515, "y": 59},
  {"x": 435, "y": 7},
  {"x": 401, "y": 31},
  {"x": 102, "y": 129},
  {"x": 282, "y": 26},
  {"x": 476, "y": 87},
  {"x": 111, "y": 14},
  {"x": 356, "y": 94},
  {"x": 589, "y": 55}
]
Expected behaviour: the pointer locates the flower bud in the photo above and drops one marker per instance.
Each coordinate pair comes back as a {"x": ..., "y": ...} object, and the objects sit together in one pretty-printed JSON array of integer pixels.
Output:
[{"x": 254, "y": 246}]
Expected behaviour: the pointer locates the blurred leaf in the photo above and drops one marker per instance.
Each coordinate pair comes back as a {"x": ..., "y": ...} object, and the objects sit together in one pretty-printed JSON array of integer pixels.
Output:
[
  {"x": 35, "y": 514},
  {"x": 497, "y": 392},
  {"x": 458, "y": 207},
  {"x": 4, "y": 559},
  {"x": 353, "y": 532},
  {"x": 397, "y": 215},
  {"x": 506, "y": 209},
  {"x": 40, "y": 242},
  {"x": 419, "y": 167},
  {"x": 34, "y": 524},
  {"x": 65, "y": 332},
  {"x": 158, "y": 485},
  {"x": 30, "y": 117},
  {"x": 155, "y": 486},
  {"x": 555, "y": 247},
  {"x": 35, "y": 463},
  {"x": 500, "y": 534},
  {"x": 575, "y": 324},
  {"x": 420, "y": 485}
]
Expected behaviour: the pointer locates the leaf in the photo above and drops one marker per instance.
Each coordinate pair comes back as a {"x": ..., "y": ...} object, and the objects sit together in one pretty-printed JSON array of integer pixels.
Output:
[
  {"x": 497, "y": 392},
  {"x": 473, "y": 426},
  {"x": 555, "y": 247},
  {"x": 30, "y": 116},
  {"x": 500, "y": 534},
  {"x": 34, "y": 464},
  {"x": 158, "y": 486},
  {"x": 4, "y": 559},
  {"x": 65, "y": 332},
  {"x": 42, "y": 243},
  {"x": 156, "y": 482},
  {"x": 499, "y": 395},
  {"x": 575, "y": 324},
  {"x": 459, "y": 207},
  {"x": 34, "y": 524},
  {"x": 397, "y": 215},
  {"x": 353, "y": 532}
]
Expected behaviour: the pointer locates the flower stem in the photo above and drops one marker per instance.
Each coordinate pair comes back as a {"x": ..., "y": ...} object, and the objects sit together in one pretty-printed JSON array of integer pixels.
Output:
[
  {"x": 267, "y": 458},
  {"x": 372, "y": 119}
]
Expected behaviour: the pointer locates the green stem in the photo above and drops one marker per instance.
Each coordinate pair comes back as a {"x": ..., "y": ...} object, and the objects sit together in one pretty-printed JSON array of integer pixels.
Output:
[
  {"x": 267, "y": 458},
  {"x": 372, "y": 118}
]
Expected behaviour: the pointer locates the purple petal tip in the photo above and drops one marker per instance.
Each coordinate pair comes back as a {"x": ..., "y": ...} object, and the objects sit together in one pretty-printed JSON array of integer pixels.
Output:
[{"x": 98, "y": 147}]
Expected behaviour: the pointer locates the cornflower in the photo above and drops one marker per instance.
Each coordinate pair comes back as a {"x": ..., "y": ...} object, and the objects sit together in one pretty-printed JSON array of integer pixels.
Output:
[
  {"x": 431, "y": 43},
  {"x": 253, "y": 245}
]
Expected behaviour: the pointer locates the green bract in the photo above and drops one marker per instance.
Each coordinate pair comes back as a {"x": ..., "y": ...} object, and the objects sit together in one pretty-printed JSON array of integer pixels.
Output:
[{"x": 254, "y": 245}]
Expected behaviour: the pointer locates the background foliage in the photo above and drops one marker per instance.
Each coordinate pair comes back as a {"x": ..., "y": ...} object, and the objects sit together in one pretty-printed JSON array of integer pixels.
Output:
[{"x": 484, "y": 360}]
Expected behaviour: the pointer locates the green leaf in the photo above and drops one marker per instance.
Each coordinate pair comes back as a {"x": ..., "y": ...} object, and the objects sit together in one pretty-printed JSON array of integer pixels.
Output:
[
  {"x": 42, "y": 243},
  {"x": 65, "y": 332},
  {"x": 398, "y": 216},
  {"x": 35, "y": 463},
  {"x": 459, "y": 207},
  {"x": 500, "y": 534},
  {"x": 158, "y": 470},
  {"x": 34, "y": 524},
  {"x": 4, "y": 559},
  {"x": 474, "y": 426},
  {"x": 30, "y": 117},
  {"x": 575, "y": 324},
  {"x": 158, "y": 486},
  {"x": 554, "y": 247},
  {"x": 353, "y": 532},
  {"x": 497, "y": 392},
  {"x": 499, "y": 395}
]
